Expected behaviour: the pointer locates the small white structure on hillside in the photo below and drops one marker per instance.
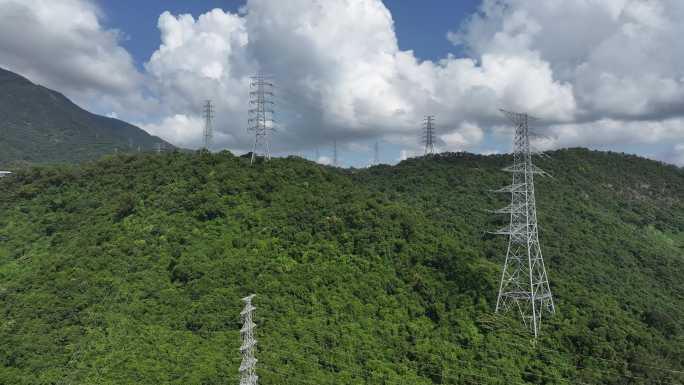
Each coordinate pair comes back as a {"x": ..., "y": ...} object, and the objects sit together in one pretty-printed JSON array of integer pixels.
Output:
[{"x": 4, "y": 173}]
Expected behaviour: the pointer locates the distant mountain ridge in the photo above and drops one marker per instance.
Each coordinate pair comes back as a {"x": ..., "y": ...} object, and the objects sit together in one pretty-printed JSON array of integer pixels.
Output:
[{"x": 40, "y": 125}]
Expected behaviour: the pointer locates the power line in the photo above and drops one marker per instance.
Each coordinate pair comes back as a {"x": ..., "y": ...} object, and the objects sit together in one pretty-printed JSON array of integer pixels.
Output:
[{"x": 524, "y": 284}]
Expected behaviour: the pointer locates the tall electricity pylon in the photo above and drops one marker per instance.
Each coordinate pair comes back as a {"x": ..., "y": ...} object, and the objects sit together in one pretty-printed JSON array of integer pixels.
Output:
[
  {"x": 208, "y": 112},
  {"x": 376, "y": 154},
  {"x": 335, "y": 153},
  {"x": 429, "y": 134},
  {"x": 261, "y": 114},
  {"x": 248, "y": 374},
  {"x": 524, "y": 284}
]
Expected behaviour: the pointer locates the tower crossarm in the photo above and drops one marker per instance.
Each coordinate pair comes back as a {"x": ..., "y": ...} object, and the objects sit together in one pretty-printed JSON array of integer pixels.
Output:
[
  {"x": 511, "y": 188},
  {"x": 248, "y": 363},
  {"x": 248, "y": 308},
  {"x": 520, "y": 295},
  {"x": 248, "y": 345},
  {"x": 518, "y": 118},
  {"x": 249, "y": 326},
  {"x": 510, "y": 209},
  {"x": 510, "y": 230},
  {"x": 531, "y": 168}
]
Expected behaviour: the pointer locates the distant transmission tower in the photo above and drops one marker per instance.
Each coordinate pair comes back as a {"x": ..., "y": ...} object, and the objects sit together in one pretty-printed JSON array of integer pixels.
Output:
[
  {"x": 248, "y": 374},
  {"x": 429, "y": 134},
  {"x": 524, "y": 284},
  {"x": 208, "y": 112},
  {"x": 261, "y": 115},
  {"x": 376, "y": 154},
  {"x": 335, "y": 153}
]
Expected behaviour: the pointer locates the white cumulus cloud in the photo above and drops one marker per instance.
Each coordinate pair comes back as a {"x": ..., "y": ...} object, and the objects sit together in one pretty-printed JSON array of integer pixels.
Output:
[
  {"x": 598, "y": 72},
  {"x": 178, "y": 128},
  {"x": 339, "y": 75},
  {"x": 466, "y": 137},
  {"x": 623, "y": 57},
  {"x": 62, "y": 44}
]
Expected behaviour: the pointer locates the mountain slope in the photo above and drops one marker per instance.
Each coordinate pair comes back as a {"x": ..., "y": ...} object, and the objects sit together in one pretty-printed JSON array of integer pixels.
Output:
[
  {"x": 130, "y": 270},
  {"x": 41, "y": 125}
]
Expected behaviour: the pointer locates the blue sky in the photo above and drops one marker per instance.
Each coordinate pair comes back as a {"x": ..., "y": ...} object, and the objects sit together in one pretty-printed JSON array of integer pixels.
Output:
[
  {"x": 603, "y": 75},
  {"x": 138, "y": 19},
  {"x": 421, "y": 25}
]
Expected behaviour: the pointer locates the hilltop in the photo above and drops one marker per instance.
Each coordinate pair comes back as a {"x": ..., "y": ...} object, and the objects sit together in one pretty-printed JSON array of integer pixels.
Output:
[
  {"x": 130, "y": 270},
  {"x": 39, "y": 125}
]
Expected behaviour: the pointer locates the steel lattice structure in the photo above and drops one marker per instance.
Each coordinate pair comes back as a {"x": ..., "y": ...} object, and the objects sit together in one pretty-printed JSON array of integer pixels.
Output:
[
  {"x": 334, "y": 160},
  {"x": 429, "y": 134},
  {"x": 376, "y": 153},
  {"x": 248, "y": 374},
  {"x": 208, "y": 112},
  {"x": 261, "y": 115},
  {"x": 524, "y": 284},
  {"x": 159, "y": 147}
]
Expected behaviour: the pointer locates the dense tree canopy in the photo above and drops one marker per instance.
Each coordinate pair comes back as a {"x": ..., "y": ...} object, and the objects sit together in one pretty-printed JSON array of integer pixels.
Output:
[{"x": 130, "y": 270}]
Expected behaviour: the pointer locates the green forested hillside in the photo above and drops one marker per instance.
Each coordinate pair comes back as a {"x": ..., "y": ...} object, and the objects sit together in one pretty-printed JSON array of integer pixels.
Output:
[
  {"x": 39, "y": 125},
  {"x": 130, "y": 270}
]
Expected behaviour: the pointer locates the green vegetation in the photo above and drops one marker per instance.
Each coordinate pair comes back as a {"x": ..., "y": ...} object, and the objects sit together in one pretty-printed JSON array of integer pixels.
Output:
[
  {"x": 130, "y": 270},
  {"x": 39, "y": 125}
]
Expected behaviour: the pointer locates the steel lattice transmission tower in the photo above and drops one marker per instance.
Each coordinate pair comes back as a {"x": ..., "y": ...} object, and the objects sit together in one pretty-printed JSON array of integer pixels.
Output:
[
  {"x": 159, "y": 147},
  {"x": 429, "y": 134},
  {"x": 208, "y": 112},
  {"x": 248, "y": 374},
  {"x": 261, "y": 114},
  {"x": 376, "y": 153},
  {"x": 524, "y": 284},
  {"x": 334, "y": 162}
]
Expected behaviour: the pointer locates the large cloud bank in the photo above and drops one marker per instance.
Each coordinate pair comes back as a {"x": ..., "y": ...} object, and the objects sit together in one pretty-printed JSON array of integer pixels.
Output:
[{"x": 600, "y": 73}]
